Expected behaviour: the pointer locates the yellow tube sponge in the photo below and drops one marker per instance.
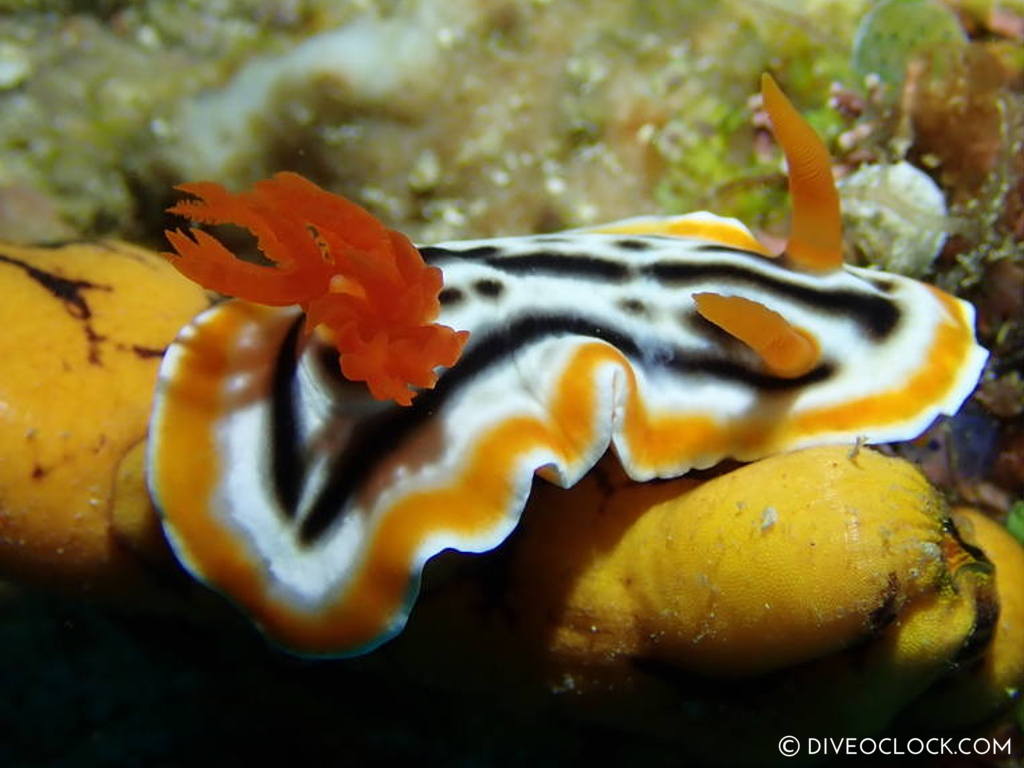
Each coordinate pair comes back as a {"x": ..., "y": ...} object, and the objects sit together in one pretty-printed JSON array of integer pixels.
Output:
[
  {"x": 820, "y": 591},
  {"x": 991, "y": 678},
  {"x": 788, "y": 559},
  {"x": 84, "y": 328}
]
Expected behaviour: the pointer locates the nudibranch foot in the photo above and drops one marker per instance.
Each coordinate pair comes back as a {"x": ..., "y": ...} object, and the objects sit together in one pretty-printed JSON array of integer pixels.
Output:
[
  {"x": 676, "y": 343},
  {"x": 366, "y": 283}
]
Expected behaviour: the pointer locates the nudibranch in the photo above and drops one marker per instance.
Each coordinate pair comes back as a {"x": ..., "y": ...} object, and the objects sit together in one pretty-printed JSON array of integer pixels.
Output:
[{"x": 313, "y": 502}]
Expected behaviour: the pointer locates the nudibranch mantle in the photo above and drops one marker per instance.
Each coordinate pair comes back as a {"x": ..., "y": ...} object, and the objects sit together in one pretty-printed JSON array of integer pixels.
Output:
[{"x": 315, "y": 506}]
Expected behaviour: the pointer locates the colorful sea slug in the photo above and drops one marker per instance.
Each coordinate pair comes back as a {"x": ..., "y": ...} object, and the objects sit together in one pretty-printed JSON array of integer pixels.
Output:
[{"x": 314, "y": 502}]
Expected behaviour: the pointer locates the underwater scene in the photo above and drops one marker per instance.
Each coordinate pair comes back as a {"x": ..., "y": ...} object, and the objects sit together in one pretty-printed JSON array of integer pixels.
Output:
[{"x": 512, "y": 382}]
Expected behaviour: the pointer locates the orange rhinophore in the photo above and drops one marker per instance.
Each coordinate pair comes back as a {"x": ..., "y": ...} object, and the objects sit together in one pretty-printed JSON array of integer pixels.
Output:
[
  {"x": 787, "y": 351},
  {"x": 816, "y": 232},
  {"x": 366, "y": 284}
]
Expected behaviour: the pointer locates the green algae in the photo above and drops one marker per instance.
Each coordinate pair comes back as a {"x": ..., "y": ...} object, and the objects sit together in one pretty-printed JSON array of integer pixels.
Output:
[
  {"x": 897, "y": 32},
  {"x": 518, "y": 125},
  {"x": 1015, "y": 521},
  {"x": 714, "y": 162},
  {"x": 92, "y": 89},
  {"x": 635, "y": 111}
]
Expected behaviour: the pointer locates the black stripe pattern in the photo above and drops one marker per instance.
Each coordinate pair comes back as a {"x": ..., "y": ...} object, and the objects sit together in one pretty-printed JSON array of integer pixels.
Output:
[
  {"x": 377, "y": 436},
  {"x": 500, "y": 291},
  {"x": 871, "y": 308}
]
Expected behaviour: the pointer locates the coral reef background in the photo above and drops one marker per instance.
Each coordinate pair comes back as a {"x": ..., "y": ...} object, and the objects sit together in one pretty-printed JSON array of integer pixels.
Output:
[{"x": 467, "y": 118}]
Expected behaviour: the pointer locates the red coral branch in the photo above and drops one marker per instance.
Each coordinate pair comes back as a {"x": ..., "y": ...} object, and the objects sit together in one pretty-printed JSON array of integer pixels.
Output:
[{"x": 368, "y": 285}]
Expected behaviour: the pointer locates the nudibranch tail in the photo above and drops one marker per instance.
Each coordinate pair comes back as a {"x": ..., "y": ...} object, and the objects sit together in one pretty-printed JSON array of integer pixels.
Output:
[
  {"x": 816, "y": 230},
  {"x": 367, "y": 284}
]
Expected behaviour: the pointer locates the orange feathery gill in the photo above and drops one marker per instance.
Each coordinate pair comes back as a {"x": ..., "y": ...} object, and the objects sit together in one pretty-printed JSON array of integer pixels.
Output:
[{"x": 366, "y": 284}]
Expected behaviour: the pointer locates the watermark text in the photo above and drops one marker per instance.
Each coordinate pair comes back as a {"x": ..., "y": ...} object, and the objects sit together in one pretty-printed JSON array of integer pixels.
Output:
[{"x": 892, "y": 746}]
